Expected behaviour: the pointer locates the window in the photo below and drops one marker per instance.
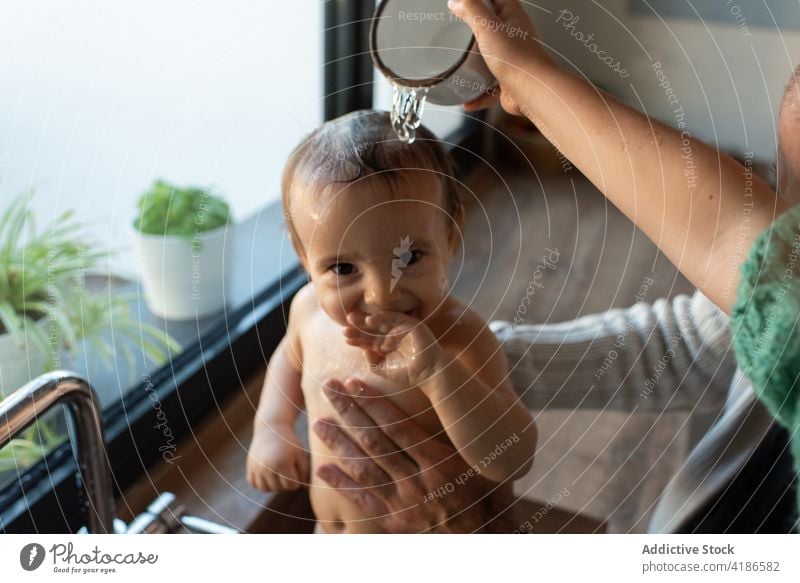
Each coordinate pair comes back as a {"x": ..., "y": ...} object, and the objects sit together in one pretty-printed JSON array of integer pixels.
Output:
[
  {"x": 100, "y": 101},
  {"x": 106, "y": 100}
]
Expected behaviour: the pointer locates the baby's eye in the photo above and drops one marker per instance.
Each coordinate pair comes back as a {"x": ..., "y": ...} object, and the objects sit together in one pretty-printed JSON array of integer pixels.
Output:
[
  {"x": 343, "y": 268},
  {"x": 415, "y": 256}
]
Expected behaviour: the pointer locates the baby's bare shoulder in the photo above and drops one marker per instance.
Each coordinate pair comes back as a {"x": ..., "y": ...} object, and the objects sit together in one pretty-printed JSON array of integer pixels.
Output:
[
  {"x": 303, "y": 307},
  {"x": 304, "y": 303},
  {"x": 459, "y": 326}
]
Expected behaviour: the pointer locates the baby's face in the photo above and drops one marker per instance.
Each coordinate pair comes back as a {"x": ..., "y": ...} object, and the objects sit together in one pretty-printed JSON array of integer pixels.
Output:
[{"x": 369, "y": 250}]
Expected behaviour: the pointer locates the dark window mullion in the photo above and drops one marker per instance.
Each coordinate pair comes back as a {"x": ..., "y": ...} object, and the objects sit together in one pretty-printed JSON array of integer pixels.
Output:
[{"x": 348, "y": 67}]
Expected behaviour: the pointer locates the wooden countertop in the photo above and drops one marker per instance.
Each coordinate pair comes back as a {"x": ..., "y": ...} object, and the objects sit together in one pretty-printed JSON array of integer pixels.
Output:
[{"x": 208, "y": 478}]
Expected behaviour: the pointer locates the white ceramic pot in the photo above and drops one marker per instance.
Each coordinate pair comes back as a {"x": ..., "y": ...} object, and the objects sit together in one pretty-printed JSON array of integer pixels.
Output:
[
  {"x": 184, "y": 277},
  {"x": 20, "y": 361}
]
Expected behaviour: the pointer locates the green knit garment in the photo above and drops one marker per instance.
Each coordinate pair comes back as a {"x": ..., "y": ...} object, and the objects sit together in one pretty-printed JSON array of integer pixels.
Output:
[{"x": 766, "y": 323}]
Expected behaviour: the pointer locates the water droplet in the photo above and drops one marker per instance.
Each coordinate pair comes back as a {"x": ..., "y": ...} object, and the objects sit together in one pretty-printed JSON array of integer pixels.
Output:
[{"x": 407, "y": 107}]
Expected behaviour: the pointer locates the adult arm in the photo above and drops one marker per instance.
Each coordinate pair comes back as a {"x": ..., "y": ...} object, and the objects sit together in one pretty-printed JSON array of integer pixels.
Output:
[
  {"x": 697, "y": 204},
  {"x": 668, "y": 355}
]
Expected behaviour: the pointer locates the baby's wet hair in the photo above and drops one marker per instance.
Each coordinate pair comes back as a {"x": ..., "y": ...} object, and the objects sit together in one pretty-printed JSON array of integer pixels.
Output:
[{"x": 362, "y": 144}]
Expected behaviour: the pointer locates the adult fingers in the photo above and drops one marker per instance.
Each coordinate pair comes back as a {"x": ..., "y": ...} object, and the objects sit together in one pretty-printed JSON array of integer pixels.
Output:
[
  {"x": 361, "y": 468},
  {"x": 508, "y": 10},
  {"x": 419, "y": 444},
  {"x": 366, "y": 500},
  {"x": 369, "y": 436},
  {"x": 478, "y": 16}
]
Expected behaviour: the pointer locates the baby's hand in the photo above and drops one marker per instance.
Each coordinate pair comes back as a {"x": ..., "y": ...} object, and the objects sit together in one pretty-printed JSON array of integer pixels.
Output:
[
  {"x": 276, "y": 460},
  {"x": 399, "y": 347}
]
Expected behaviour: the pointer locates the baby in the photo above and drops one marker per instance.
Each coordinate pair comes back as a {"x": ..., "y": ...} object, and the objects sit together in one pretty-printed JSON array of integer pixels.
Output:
[{"x": 376, "y": 222}]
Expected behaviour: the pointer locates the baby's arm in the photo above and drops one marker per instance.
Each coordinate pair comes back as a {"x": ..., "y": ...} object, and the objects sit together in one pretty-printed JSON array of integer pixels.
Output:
[
  {"x": 469, "y": 390},
  {"x": 276, "y": 459},
  {"x": 473, "y": 397}
]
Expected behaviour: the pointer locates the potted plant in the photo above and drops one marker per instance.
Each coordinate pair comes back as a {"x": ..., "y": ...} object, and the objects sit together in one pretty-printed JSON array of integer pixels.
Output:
[
  {"x": 182, "y": 248},
  {"x": 47, "y": 313}
]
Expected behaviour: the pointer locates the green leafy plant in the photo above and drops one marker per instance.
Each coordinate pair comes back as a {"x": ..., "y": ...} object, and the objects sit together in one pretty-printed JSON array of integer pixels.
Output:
[
  {"x": 42, "y": 277},
  {"x": 36, "y": 441},
  {"x": 165, "y": 209}
]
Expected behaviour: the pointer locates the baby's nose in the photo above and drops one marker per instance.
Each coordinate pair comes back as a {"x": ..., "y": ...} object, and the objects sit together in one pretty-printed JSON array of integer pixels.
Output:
[{"x": 379, "y": 291}]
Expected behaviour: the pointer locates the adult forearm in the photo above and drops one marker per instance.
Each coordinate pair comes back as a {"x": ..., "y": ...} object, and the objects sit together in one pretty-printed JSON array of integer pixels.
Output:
[
  {"x": 689, "y": 198},
  {"x": 669, "y": 355}
]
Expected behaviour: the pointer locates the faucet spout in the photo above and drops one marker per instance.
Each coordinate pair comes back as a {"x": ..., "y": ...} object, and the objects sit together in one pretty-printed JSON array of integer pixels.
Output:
[{"x": 30, "y": 402}]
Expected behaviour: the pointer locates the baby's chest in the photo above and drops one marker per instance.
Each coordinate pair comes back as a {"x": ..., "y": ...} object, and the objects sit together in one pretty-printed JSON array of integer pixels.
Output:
[{"x": 323, "y": 361}]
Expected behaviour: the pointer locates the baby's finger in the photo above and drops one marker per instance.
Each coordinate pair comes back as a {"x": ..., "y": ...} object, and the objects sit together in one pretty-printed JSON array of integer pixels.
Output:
[
  {"x": 395, "y": 322},
  {"x": 254, "y": 475},
  {"x": 358, "y": 321},
  {"x": 251, "y": 479},
  {"x": 289, "y": 480},
  {"x": 374, "y": 359},
  {"x": 354, "y": 333},
  {"x": 368, "y": 342},
  {"x": 390, "y": 343},
  {"x": 358, "y": 343},
  {"x": 269, "y": 483},
  {"x": 355, "y": 338},
  {"x": 365, "y": 328},
  {"x": 282, "y": 478},
  {"x": 265, "y": 483},
  {"x": 378, "y": 325}
]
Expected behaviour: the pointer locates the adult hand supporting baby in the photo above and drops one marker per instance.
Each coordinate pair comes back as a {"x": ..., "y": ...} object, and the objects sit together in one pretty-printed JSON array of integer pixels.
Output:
[{"x": 402, "y": 475}]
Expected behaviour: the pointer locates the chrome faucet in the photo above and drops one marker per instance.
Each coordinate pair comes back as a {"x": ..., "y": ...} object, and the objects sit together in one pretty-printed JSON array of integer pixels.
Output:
[{"x": 25, "y": 405}]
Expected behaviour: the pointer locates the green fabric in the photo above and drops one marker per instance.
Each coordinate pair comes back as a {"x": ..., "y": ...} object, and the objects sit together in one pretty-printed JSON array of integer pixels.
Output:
[{"x": 766, "y": 323}]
